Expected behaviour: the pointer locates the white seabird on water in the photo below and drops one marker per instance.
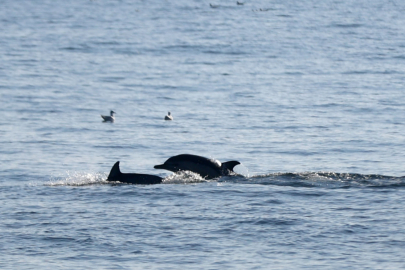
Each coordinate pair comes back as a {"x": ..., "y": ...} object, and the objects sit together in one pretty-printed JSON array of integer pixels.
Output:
[
  {"x": 109, "y": 118},
  {"x": 169, "y": 116}
]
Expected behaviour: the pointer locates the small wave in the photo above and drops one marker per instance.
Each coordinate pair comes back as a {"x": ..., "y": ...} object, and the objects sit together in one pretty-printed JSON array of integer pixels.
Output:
[
  {"x": 225, "y": 52},
  {"x": 304, "y": 179},
  {"x": 399, "y": 57},
  {"x": 328, "y": 180},
  {"x": 356, "y": 72},
  {"x": 284, "y": 15},
  {"x": 107, "y": 43},
  {"x": 111, "y": 79},
  {"x": 270, "y": 221},
  {"x": 80, "y": 48},
  {"x": 297, "y": 73},
  {"x": 78, "y": 179},
  {"x": 361, "y": 72},
  {"x": 347, "y": 25}
]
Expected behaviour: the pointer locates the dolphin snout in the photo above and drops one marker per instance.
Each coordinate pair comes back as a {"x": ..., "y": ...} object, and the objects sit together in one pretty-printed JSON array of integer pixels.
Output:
[{"x": 161, "y": 166}]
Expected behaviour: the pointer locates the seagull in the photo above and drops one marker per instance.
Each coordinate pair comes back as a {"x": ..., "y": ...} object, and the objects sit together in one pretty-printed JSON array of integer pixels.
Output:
[
  {"x": 239, "y": 3},
  {"x": 169, "y": 116},
  {"x": 109, "y": 118}
]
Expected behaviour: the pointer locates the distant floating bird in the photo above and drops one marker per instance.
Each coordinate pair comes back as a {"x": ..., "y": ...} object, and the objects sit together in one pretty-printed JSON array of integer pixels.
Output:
[
  {"x": 214, "y": 6},
  {"x": 239, "y": 3},
  {"x": 169, "y": 116},
  {"x": 109, "y": 118}
]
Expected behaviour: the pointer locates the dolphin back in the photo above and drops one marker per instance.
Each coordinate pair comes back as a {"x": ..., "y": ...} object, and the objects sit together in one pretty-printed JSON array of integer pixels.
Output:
[
  {"x": 207, "y": 168},
  {"x": 132, "y": 178}
]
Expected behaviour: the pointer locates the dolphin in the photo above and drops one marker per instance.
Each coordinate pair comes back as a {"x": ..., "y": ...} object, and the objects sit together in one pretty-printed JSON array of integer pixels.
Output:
[
  {"x": 207, "y": 168},
  {"x": 132, "y": 178}
]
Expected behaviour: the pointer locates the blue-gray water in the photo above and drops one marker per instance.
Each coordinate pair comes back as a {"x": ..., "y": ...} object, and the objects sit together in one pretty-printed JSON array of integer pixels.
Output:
[{"x": 307, "y": 95}]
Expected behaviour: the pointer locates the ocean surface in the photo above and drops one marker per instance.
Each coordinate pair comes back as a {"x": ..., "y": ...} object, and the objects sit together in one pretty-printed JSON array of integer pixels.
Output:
[{"x": 307, "y": 95}]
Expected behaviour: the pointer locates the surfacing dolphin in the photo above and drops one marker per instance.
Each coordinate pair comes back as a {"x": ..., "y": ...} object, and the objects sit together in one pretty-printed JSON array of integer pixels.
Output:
[
  {"x": 132, "y": 178},
  {"x": 207, "y": 168}
]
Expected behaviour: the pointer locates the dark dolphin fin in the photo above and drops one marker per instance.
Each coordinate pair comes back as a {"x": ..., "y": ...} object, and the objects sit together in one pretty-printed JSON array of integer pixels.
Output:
[
  {"x": 228, "y": 166},
  {"x": 115, "y": 172},
  {"x": 132, "y": 178}
]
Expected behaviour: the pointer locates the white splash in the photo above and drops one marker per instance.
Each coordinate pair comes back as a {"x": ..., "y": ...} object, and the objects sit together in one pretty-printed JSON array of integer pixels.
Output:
[
  {"x": 184, "y": 177},
  {"x": 78, "y": 179}
]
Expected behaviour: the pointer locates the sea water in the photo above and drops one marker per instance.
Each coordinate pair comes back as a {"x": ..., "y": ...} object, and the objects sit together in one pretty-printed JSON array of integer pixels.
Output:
[{"x": 307, "y": 95}]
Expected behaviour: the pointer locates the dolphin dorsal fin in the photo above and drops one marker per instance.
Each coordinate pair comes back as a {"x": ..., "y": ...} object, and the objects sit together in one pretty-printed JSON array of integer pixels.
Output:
[
  {"x": 115, "y": 172},
  {"x": 228, "y": 166}
]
